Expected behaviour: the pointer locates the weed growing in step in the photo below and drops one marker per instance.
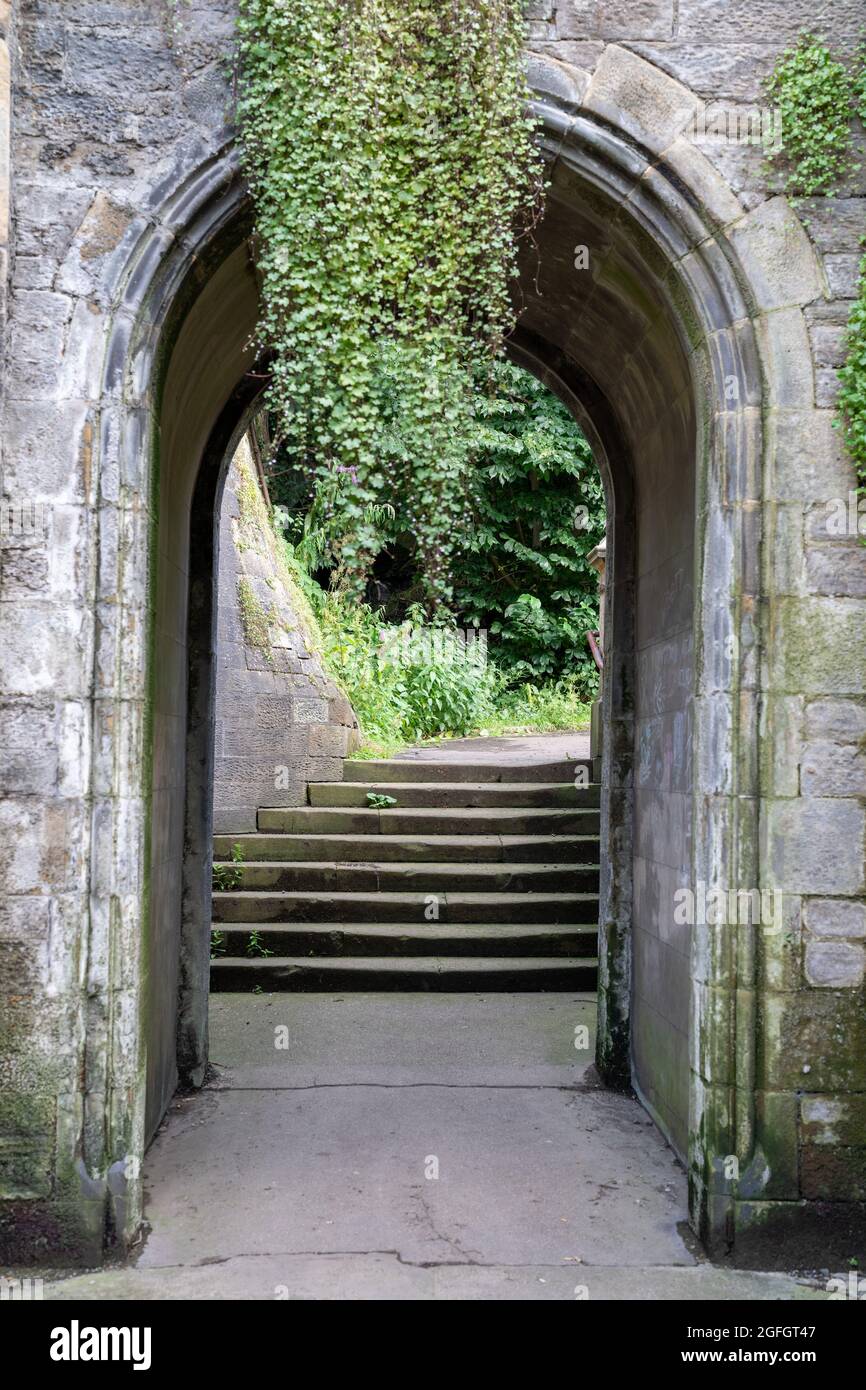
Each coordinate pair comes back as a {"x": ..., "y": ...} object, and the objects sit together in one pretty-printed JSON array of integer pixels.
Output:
[
  {"x": 256, "y": 947},
  {"x": 227, "y": 876}
]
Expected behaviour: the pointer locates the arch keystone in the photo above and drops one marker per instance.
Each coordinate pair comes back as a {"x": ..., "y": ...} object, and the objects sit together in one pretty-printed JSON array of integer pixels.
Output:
[{"x": 640, "y": 99}]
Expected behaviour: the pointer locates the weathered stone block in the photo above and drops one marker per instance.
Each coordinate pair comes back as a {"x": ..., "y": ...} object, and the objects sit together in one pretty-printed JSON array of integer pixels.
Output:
[
  {"x": 779, "y": 947},
  {"x": 46, "y": 451},
  {"x": 843, "y": 275},
  {"x": 717, "y": 71},
  {"x": 815, "y": 845},
  {"x": 838, "y": 569},
  {"x": 635, "y": 19},
  {"x": 774, "y": 1172},
  {"x": 575, "y": 19},
  {"x": 777, "y": 256},
  {"x": 833, "y": 1120},
  {"x": 830, "y": 770},
  {"x": 780, "y": 743},
  {"x": 809, "y": 461},
  {"x": 328, "y": 741},
  {"x": 561, "y": 83},
  {"x": 26, "y": 1146},
  {"x": 814, "y": 1040},
  {"x": 752, "y": 21},
  {"x": 835, "y": 917},
  {"x": 842, "y": 721},
  {"x": 310, "y": 711},
  {"x": 28, "y": 752},
  {"x": 633, "y": 94},
  {"x": 37, "y": 341},
  {"x": 835, "y": 964},
  {"x": 834, "y": 224},
  {"x": 784, "y": 341},
  {"x": 804, "y": 665},
  {"x": 833, "y": 1174}
]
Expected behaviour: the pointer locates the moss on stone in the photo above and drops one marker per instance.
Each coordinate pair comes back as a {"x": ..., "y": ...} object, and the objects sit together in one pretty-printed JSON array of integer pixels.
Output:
[
  {"x": 255, "y": 531},
  {"x": 254, "y": 618}
]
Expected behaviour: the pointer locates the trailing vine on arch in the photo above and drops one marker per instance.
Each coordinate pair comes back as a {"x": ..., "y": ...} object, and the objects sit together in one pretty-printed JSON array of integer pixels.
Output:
[{"x": 393, "y": 170}]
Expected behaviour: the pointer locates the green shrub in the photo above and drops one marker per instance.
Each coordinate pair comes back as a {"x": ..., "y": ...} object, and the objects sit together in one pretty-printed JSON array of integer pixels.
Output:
[
  {"x": 448, "y": 689},
  {"x": 544, "y": 708},
  {"x": 408, "y": 681}
]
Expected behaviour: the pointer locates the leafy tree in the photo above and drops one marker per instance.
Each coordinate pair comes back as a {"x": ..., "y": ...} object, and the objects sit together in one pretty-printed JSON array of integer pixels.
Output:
[
  {"x": 532, "y": 511},
  {"x": 537, "y": 509}
]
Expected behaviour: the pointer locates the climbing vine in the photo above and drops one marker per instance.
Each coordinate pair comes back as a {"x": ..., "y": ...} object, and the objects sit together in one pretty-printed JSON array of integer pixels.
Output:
[
  {"x": 816, "y": 97},
  {"x": 852, "y": 398},
  {"x": 859, "y": 90},
  {"x": 393, "y": 172}
]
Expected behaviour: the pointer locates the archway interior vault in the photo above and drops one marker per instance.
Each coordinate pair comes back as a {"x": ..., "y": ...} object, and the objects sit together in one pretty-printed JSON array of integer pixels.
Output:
[{"x": 595, "y": 325}]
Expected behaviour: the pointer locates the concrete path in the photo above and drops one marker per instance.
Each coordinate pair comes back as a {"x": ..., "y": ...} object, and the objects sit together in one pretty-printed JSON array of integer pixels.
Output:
[
  {"x": 542, "y": 748},
  {"x": 413, "y": 1147}
]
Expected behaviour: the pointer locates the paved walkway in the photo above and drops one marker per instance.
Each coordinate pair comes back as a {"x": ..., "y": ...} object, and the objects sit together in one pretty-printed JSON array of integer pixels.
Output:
[
  {"x": 412, "y": 1147},
  {"x": 525, "y": 748}
]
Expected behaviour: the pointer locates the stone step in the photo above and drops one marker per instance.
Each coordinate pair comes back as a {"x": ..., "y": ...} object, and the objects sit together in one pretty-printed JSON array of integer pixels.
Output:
[
  {"x": 478, "y": 849},
  {"x": 412, "y": 820},
  {"x": 445, "y": 974},
  {"x": 307, "y": 876},
  {"x": 417, "y": 939},
  {"x": 466, "y": 795},
  {"x": 420, "y": 770},
  {"x": 240, "y": 905}
]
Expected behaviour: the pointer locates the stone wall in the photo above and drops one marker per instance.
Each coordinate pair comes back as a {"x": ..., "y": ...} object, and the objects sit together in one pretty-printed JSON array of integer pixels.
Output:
[
  {"x": 280, "y": 720},
  {"x": 122, "y": 165}
]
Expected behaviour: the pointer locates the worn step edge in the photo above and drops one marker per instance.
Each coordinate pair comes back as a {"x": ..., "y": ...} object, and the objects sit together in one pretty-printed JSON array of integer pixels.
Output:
[
  {"x": 410, "y": 820},
  {"x": 238, "y": 905},
  {"x": 292, "y": 847},
  {"x": 462, "y": 795},
  {"x": 408, "y": 770},
  {"x": 334, "y": 939},
  {"x": 512, "y": 974},
  {"x": 294, "y": 877},
  {"x": 407, "y": 866}
]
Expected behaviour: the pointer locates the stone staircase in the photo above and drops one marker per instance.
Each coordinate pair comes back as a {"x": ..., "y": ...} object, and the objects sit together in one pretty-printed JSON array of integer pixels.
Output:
[{"x": 480, "y": 876}]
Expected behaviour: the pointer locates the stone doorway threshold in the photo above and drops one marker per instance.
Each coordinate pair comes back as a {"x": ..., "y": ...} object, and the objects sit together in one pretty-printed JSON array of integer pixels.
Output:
[{"x": 308, "y": 1171}]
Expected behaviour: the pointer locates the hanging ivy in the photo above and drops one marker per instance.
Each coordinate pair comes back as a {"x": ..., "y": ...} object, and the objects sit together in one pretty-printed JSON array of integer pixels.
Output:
[
  {"x": 393, "y": 170},
  {"x": 815, "y": 96}
]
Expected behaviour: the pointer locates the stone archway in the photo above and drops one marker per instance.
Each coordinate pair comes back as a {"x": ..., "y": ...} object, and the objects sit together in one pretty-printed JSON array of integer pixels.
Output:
[
  {"x": 655, "y": 347},
  {"x": 678, "y": 347}
]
